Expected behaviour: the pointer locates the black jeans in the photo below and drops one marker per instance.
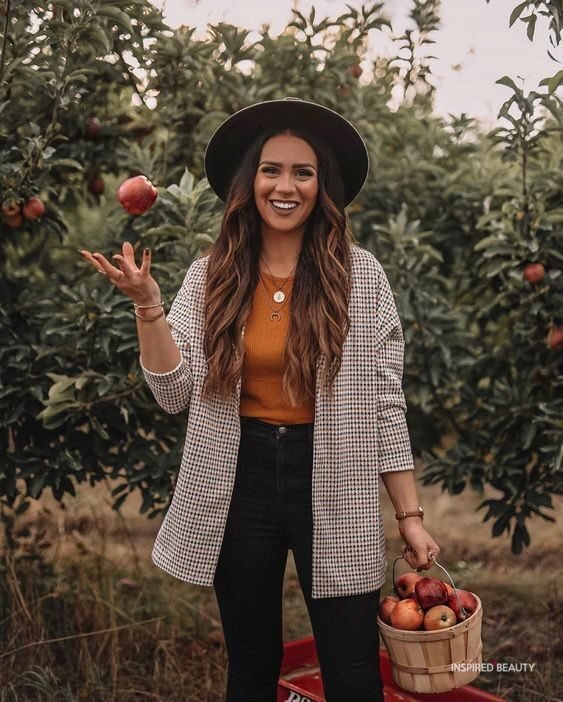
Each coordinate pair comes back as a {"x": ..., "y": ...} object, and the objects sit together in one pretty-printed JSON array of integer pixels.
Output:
[{"x": 270, "y": 512}]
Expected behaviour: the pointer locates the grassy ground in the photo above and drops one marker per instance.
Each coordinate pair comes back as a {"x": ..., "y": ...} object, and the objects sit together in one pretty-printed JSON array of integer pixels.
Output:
[{"x": 101, "y": 622}]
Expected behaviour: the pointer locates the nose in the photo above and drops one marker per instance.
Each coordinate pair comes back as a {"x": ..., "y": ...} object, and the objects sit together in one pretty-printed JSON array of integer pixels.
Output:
[{"x": 285, "y": 183}]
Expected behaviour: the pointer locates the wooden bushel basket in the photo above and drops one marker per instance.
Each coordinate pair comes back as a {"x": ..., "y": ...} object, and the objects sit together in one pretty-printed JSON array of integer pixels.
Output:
[{"x": 433, "y": 661}]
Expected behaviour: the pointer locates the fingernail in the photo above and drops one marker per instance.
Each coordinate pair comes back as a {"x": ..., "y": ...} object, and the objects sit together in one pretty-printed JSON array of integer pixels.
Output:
[
  {"x": 147, "y": 251},
  {"x": 95, "y": 255}
]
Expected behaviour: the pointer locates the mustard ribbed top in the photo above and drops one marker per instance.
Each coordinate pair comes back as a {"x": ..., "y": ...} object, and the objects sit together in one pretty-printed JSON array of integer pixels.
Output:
[{"x": 264, "y": 339}]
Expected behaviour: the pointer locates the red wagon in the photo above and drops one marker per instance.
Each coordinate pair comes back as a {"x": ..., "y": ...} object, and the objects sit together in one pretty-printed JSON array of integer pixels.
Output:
[{"x": 300, "y": 680}]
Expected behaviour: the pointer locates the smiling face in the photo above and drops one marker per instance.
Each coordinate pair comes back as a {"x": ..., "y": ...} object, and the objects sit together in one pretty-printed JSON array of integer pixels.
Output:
[{"x": 287, "y": 176}]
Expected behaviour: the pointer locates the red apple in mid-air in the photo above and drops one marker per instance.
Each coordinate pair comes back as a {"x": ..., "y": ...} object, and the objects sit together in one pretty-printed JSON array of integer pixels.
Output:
[
  {"x": 33, "y": 208},
  {"x": 439, "y": 617},
  {"x": 386, "y": 606},
  {"x": 137, "y": 194},
  {"x": 555, "y": 337},
  {"x": 431, "y": 592},
  {"x": 405, "y": 584},
  {"x": 407, "y": 614},
  {"x": 534, "y": 272},
  {"x": 467, "y": 600}
]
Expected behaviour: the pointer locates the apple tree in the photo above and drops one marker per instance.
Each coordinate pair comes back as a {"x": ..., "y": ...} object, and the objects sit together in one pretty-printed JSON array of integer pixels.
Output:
[{"x": 455, "y": 215}]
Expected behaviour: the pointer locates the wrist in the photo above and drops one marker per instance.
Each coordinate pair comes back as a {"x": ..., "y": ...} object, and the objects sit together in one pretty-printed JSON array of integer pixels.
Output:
[
  {"x": 147, "y": 300},
  {"x": 405, "y": 524}
]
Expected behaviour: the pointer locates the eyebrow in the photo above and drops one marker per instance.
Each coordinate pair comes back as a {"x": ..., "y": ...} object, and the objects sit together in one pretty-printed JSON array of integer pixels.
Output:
[{"x": 295, "y": 165}]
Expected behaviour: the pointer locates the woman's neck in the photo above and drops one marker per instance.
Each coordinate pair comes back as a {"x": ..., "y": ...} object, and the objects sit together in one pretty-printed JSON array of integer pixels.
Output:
[{"x": 280, "y": 252}]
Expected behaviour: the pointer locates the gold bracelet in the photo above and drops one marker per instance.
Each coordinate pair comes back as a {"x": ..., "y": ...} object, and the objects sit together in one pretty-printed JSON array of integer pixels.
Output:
[
  {"x": 146, "y": 307},
  {"x": 399, "y": 516},
  {"x": 149, "y": 319}
]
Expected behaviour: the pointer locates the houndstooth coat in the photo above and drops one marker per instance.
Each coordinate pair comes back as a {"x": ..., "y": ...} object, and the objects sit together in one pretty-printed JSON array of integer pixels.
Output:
[{"x": 358, "y": 434}]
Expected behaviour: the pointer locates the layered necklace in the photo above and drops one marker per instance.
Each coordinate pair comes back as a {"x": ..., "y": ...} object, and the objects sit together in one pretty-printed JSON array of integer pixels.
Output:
[{"x": 279, "y": 295}]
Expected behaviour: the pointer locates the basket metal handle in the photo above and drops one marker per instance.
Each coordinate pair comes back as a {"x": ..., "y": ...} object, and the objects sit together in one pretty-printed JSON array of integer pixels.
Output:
[{"x": 431, "y": 555}]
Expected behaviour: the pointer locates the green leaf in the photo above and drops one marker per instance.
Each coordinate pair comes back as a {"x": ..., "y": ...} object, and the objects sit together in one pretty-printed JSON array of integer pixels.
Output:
[
  {"x": 187, "y": 182},
  {"x": 520, "y": 538},
  {"x": 517, "y": 11},
  {"x": 120, "y": 500},
  {"x": 531, "y": 20},
  {"x": 539, "y": 499},
  {"x": 37, "y": 485},
  {"x": 501, "y": 525},
  {"x": 97, "y": 38},
  {"x": 553, "y": 82},
  {"x": 506, "y": 80},
  {"x": 118, "y": 16}
]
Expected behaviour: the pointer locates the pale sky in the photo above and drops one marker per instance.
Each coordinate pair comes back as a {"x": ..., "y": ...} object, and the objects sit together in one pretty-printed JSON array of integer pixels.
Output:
[{"x": 473, "y": 34}]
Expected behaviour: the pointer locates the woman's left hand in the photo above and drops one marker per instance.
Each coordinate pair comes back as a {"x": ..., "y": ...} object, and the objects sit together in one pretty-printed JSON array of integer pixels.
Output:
[{"x": 420, "y": 546}]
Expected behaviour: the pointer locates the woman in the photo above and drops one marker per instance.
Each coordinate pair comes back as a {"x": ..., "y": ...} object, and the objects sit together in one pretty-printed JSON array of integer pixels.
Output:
[{"x": 285, "y": 345}]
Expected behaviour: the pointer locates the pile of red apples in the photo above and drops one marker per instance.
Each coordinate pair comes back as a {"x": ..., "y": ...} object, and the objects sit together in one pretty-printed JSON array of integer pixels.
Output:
[{"x": 426, "y": 603}]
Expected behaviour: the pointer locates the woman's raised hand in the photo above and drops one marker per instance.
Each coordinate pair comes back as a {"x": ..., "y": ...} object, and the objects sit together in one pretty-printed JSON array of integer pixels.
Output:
[{"x": 133, "y": 281}]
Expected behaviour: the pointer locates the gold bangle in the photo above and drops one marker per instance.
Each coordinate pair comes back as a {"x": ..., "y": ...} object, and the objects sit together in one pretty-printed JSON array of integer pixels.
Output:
[
  {"x": 146, "y": 307},
  {"x": 149, "y": 319},
  {"x": 399, "y": 516}
]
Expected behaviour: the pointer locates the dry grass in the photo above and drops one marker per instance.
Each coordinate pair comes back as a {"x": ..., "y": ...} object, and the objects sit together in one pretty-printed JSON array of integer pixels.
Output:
[{"x": 98, "y": 621}]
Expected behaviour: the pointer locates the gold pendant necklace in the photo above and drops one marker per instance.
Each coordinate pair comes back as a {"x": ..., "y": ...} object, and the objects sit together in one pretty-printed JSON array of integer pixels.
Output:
[{"x": 279, "y": 295}]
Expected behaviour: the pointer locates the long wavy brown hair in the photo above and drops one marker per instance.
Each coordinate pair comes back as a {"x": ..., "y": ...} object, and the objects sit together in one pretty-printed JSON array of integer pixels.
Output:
[{"x": 319, "y": 320}]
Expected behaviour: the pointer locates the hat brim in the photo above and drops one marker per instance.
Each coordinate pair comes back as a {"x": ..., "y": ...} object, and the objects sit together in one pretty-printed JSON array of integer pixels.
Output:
[{"x": 233, "y": 137}]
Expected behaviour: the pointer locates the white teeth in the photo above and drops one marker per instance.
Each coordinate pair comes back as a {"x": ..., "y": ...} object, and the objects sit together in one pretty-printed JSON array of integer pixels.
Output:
[{"x": 284, "y": 205}]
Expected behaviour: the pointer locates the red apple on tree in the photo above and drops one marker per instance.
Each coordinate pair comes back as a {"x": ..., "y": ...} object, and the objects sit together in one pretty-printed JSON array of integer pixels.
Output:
[
  {"x": 405, "y": 584},
  {"x": 555, "y": 337},
  {"x": 431, "y": 592},
  {"x": 386, "y": 606},
  {"x": 11, "y": 207},
  {"x": 356, "y": 70},
  {"x": 534, "y": 272},
  {"x": 15, "y": 221},
  {"x": 33, "y": 208},
  {"x": 407, "y": 614},
  {"x": 137, "y": 194},
  {"x": 467, "y": 600},
  {"x": 96, "y": 185},
  {"x": 439, "y": 617},
  {"x": 93, "y": 128}
]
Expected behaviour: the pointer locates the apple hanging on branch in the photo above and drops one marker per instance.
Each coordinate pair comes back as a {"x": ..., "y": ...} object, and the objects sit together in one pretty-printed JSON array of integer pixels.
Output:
[
  {"x": 93, "y": 128},
  {"x": 33, "y": 208},
  {"x": 555, "y": 337},
  {"x": 137, "y": 194},
  {"x": 96, "y": 185},
  {"x": 534, "y": 272},
  {"x": 15, "y": 221},
  {"x": 11, "y": 207}
]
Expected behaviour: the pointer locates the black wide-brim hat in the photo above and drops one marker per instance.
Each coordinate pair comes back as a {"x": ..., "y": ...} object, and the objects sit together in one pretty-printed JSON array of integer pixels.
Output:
[{"x": 233, "y": 137}]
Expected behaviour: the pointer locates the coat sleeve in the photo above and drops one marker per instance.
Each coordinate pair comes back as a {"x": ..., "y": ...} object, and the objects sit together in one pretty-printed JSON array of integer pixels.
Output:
[
  {"x": 394, "y": 446},
  {"x": 172, "y": 390}
]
